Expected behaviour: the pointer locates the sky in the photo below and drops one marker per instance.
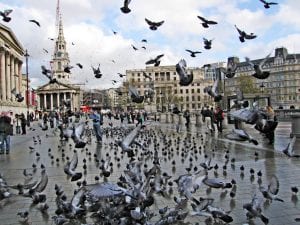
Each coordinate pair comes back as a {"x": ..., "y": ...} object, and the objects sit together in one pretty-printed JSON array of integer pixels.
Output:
[{"x": 89, "y": 25}]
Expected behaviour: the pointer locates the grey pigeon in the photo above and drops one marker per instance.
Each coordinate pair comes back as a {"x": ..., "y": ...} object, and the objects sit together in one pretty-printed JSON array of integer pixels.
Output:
[
  {"x": 244, "y": 35},
  {"x": 135, "y": 97},
  {"x": 70, "y": 167},
  {"x": 259, "y": 72},
  {"x": 213, "y": 91},
  {"x": 270, "y": 192},
  {"x": 48, "y": 73},
  {"x": 153, "y": 25},
  {"x": 207, "y": 43},
  {"x": 193, "y": 53},
  {"x": 5, "y": 15},
  {"x": 184, "y": 78},
  {"x": 124, "y": 8},
  {"x": 155, "y": 61},
  {"x": 97, "y": 72},
  {"x": 254, "y": 209},
  {"x": 268, "y": 4},
  {"x": 205, "y": 23}
]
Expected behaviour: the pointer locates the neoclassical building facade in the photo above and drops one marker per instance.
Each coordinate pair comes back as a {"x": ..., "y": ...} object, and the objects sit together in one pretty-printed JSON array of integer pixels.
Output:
[{"x": 11, "y": 78}]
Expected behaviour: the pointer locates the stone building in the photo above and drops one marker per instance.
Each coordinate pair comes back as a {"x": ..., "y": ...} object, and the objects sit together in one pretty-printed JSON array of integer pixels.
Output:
[
  {"x": 283, "y": 84},
  {"x": 167, "y": 92},
  {"x": 12, "y": 80},
  {"x": 52, "y": 95}
]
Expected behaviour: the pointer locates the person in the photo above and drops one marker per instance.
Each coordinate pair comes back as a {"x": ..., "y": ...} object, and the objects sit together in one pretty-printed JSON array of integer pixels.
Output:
[
  {"x": 5, "y": 131},
  {"x": 219, "y": 117},
  {"x": 203, "y": 111},
  {"x": 270, "y": 119},
  {"x": 97, "y": 122},
  {"x": 139, "y": 118},
  {"x": 187, "y": 117},
  {"x": 212, "y": 118},
  {"x": 12, "y": 122},
  {"x": 23, "y": 123}
]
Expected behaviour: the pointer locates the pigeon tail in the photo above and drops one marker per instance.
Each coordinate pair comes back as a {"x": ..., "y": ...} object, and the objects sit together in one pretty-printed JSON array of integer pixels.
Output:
[
  {"x": 278, "y": 199},
  {"x": 76, "y": 176},
  {"x": 125, "y": 10},
  {"x": 264, "y": 219}
]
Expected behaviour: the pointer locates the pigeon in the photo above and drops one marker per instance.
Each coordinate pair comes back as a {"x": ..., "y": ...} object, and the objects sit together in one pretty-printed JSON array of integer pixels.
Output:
[
  {"x": 97, "y": 72},
  {"x": 70, "y": 167},
  {"x": 24, "y": 215},
  {"x": 244, "y": 35},
  {"x": 155, "y": 61},
  {"x": 79, "y": 65},
  {"x": 114, "y": 32},
  {"x": 259, "y": 72},
  {"x": 144, "y": 40},
  {"x": 124, "y": 8},
  {"x": 207, "y": 43},
  {"x": 193, "y": 53},
  {"x": 254, "y": 209},
  {"x": 244, "y": 135},
  {"x": 213, "y": 91},
  {"x": 229, "y": 72},
  {"x": 289, "y": 150},
  {"x": 60, "y": 220},
  {"x": 18, "y": 96},
  {"x": 272, "y": 190},
  {"x": 126, "y": 143},
  {"x": 146, "y": 75},
  {"x": 216, "y": 183},
  {"x": 5, "y": 15},
  {"x": 121, "y": 75},
  {"x": 268, "y": 4},
  {"x": 67, "y": 68},
  {"x": 153, "y": 25},
  {"x": 184, "y": 78},
  {"x": 134, "y": 48},
  {"x": 36, "y": 22},
  {"x": 205, "y": 23},
  {"x": 135, "y": 97},
  {"x": 45, "y": 50},
  {"x": 48, "y": 73}
]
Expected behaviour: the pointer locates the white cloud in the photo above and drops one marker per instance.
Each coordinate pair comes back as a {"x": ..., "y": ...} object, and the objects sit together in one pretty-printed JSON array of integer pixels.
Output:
[{"x": 88, "y": 23}]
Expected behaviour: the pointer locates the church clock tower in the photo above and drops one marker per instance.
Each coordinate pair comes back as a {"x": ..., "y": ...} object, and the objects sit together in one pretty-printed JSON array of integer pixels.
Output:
[{"x": 60, "y": 57}]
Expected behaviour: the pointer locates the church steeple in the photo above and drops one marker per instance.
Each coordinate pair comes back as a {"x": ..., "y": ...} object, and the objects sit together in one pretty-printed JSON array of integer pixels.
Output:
[{"x": 60, "y": 56}]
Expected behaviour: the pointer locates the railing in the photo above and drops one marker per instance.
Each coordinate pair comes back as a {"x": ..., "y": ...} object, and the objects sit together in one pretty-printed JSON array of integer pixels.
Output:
[{"x": 285, "y": 114}]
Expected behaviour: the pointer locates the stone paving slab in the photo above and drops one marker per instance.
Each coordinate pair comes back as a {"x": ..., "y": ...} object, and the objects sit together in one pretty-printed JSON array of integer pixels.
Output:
[{"x": 270, "y": 161}]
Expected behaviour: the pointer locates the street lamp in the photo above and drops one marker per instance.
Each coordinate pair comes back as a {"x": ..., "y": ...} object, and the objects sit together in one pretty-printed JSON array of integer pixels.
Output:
[{"x": 27, "y": 88}]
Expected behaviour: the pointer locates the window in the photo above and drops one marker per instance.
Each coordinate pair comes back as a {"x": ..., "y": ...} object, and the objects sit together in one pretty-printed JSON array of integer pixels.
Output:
[
  {"x": 181, "y": 91},
  {"x": 138, "y": 74},
  {"x": 193, "y": 106},
  {"x": 175, "y": 92},
  {"x": 174, "y": 78},
  {"x": 186, "y": 91},
  {"x": 187, "y": 98},
  {"x": 199, "y": 98},
  {"x": 198, "y": 90},
  {"x": 193, "y": 98},
  {"x": 193, "y": 91}
]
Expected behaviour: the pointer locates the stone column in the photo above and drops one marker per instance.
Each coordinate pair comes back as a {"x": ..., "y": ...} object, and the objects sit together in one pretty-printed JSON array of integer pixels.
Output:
[
  {"x": 51, "y": 101},
  {"x": 58, "y": 100},
  {"x": 12, "y": 75},
  {"x": 16, "y": 75},
  {"x": 20, "y": 88},
  {"x": 3, "y": 78},
  {"x": 45, "y": 101},
  {"x": 8, "y": 77}
]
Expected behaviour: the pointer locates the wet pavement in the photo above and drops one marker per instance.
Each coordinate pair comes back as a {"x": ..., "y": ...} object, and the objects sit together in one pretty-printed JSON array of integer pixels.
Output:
[{"x": 268, "y": 159}]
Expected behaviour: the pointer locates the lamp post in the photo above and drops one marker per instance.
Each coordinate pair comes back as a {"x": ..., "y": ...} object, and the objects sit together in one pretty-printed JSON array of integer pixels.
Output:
[{"x": 27, "y": 88}]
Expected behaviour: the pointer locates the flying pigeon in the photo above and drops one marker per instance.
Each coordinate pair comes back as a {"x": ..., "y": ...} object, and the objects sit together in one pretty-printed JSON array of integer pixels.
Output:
[
  {"x": 193, "y": 53},
  {"x": 36, "y": 22},
  {"x": 67, "y": 68},
  {"x": 184, "y": 78},
  {"x": 146, "y": 75},
  {"x": 207, "y": 43},
  {"x": 48, "y": 73},
  {"x": 254, "y": 209},
  {"x": 124, "y": 8},
  {"x": 135, "y": 97},
  {"x": 134, "y": 48},
  {"x": 18, "y": 96},
  {"x": 213, "y": 91},
  {"x": 229, "y": 72},
  {"x": 5, "y": 15},
  {"x": 270, "y": 192},
  {"x": 114, "y": 32},
  {"x": 97, "y": 72},
  {"x": 268, "y": 4},
  {"x": 153, "y": 25},
  {"x": 144, "y": 40},
  {"x": 205, "y": 23},
  {"x": 155, "y": 61},
  {"x": 70, "y": 167},
  {"x": 259, "y": 72},
  {"x": 244, "y": 135},
  {"x": 79, "y": 65},
  {"x": 121, "y": 75},
  {"x": 45, "y": 50},
  {"x": 244, "y": 35}
]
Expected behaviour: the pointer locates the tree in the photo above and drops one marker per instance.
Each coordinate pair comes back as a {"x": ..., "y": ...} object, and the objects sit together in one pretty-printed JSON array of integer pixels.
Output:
[{"x": 247, "y": 84}]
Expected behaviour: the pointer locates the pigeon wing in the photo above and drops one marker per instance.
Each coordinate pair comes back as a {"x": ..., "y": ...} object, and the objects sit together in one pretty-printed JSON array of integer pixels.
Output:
[
  {"x": 74, "y": 162},
  {"x": 274, "y": 185},
  {"x": 264, "y": 60}
]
